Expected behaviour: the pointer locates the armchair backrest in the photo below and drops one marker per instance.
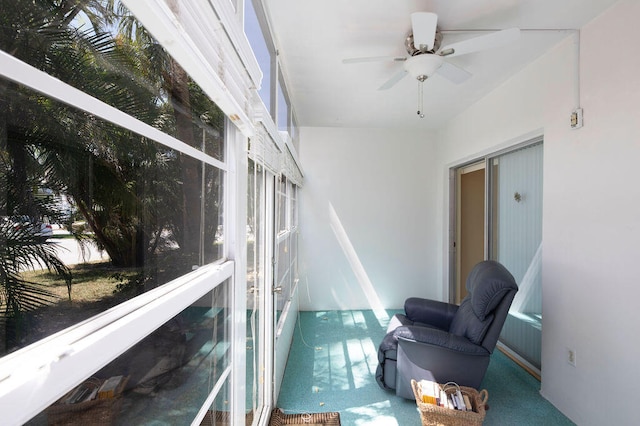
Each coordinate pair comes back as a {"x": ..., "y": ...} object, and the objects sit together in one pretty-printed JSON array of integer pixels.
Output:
[{"x": 482, "y": 313}]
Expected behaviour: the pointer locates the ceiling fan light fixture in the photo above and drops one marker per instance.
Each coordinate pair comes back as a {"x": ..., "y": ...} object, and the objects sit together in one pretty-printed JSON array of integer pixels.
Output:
[{"x": 421, "y": 67}]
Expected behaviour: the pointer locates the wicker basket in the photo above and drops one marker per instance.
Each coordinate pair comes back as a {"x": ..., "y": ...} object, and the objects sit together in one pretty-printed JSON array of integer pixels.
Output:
[{"x": 434, "y": 415}]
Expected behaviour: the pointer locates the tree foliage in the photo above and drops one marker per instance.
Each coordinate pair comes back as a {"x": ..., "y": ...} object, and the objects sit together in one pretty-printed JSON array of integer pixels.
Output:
[{"x": 139, "y": 198}]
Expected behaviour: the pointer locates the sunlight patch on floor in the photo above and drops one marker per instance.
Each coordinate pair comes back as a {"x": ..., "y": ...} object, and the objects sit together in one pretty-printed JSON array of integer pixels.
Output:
[
  {"x": 354, "y": 319},
  {"x": 362, "y": 368},
  {"x": 331, "y": 368},
  {"x": 345, "y": 365},
  {"x": 376, "y": 414}
]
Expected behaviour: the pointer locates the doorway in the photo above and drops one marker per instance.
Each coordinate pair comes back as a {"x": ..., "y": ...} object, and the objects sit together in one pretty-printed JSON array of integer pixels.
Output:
[{"x": 471, "y": 219}]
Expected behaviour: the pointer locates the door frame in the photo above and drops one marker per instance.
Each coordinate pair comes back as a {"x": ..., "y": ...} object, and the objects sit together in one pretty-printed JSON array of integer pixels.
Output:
[{"x": 486, "y": 157}]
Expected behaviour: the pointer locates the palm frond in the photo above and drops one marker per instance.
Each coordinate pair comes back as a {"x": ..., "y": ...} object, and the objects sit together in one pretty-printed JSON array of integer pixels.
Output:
[{"x": 22, "y": 249}]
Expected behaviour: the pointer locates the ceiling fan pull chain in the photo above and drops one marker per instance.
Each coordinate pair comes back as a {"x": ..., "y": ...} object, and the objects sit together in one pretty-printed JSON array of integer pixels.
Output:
[{"x": 420, "y": 98}]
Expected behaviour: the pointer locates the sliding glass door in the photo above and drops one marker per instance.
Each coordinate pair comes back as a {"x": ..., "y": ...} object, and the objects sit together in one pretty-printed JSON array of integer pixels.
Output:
[
  {"x": 498, "y": 199},
  {"x": 515, "y": 215}
]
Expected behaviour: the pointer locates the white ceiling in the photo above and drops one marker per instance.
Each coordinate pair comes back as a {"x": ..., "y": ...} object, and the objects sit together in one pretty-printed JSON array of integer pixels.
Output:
[{"x": 313, "y": 37}]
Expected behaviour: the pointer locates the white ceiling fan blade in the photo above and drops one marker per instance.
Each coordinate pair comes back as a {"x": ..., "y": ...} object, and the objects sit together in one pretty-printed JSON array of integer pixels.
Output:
[
  {"x": 453, "y": 73},
  {"x": 489, "y": 41},
  {"x": 393, "y": 80},
  {"x": 424, "y": 30},
  {"x": 374, "y": 59}
]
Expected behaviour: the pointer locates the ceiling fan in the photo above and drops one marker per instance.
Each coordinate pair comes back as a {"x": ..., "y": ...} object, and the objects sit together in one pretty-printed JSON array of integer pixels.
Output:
[{"x": 426, "y": 56}]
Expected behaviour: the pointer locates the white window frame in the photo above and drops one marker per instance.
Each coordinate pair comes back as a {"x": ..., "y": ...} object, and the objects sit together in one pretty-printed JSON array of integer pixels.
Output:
[
  {"x": 262, "y": 83},
  {"x": 34, "y": 377},
  {"x": 207, "y": 39}
]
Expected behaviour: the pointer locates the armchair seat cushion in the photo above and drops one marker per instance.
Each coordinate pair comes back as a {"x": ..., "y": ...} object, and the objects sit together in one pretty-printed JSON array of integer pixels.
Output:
[{"x": 439, "y": 338}]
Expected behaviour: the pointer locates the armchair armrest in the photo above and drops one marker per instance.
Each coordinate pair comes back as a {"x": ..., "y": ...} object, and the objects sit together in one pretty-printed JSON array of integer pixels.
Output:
[
  {"x": 431, "y": 312},
  {"x": 442, "y": 339}
]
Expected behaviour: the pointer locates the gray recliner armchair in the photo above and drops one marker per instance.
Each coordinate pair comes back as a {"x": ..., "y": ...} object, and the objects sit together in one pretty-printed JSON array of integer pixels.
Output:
[{"x": 445, "y": 342}]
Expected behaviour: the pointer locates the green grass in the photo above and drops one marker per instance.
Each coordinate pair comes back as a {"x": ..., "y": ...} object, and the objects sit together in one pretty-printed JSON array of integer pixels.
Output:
[
  {"x": 90, "y": 282},
  {"x": 94, "y": 289}
]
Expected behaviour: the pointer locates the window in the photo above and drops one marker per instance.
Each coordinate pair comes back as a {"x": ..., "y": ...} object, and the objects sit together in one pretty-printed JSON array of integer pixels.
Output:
[
  {"x": 109, "y": 141},
  {"x": 111, "y": 149},
  {"x": 255, "y": 28},
  {"x": 152, "y": 210},
  {"x": 273, "y": 89},
  {"x": 287, "y": 245},
  {"x": 166, "y": 377},
  {"x": 126, "y": 213}
]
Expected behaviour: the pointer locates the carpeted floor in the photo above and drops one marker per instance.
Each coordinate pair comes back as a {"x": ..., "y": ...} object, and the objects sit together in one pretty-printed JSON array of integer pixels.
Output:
[{"x": 332, "y": 365}]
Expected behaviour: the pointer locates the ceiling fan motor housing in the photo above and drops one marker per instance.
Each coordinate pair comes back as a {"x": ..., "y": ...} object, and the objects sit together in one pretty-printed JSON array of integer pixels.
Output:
[{"x": 412, "y": 50}]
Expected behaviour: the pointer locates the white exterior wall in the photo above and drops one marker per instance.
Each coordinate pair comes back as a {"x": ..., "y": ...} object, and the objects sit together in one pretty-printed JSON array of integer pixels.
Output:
[
  {"x": 367, "y": 218},
  {"x": 591, "y": 213}
]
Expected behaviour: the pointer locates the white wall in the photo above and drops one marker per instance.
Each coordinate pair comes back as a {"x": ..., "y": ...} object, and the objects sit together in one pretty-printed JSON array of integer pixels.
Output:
[
  {"x": 366, "y": 218},
  {"x": 591, "y": 214}
]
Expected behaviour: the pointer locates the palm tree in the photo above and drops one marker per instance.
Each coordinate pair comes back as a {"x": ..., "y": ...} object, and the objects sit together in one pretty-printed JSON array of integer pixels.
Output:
[
  {"x": 135, "y": 189},
  {"x": 193, "y": 114},
  {"x": 70, "y": 145},
  {"x": 130, "y": 190},
  {"x": 32, "y": 129},
  {"x": 22, "y": 249},
  {"x": 40, "y": 31}
]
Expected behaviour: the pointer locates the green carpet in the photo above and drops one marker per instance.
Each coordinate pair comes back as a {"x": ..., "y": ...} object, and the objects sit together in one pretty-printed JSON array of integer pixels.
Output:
[{"x": 332, "y": 364}]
